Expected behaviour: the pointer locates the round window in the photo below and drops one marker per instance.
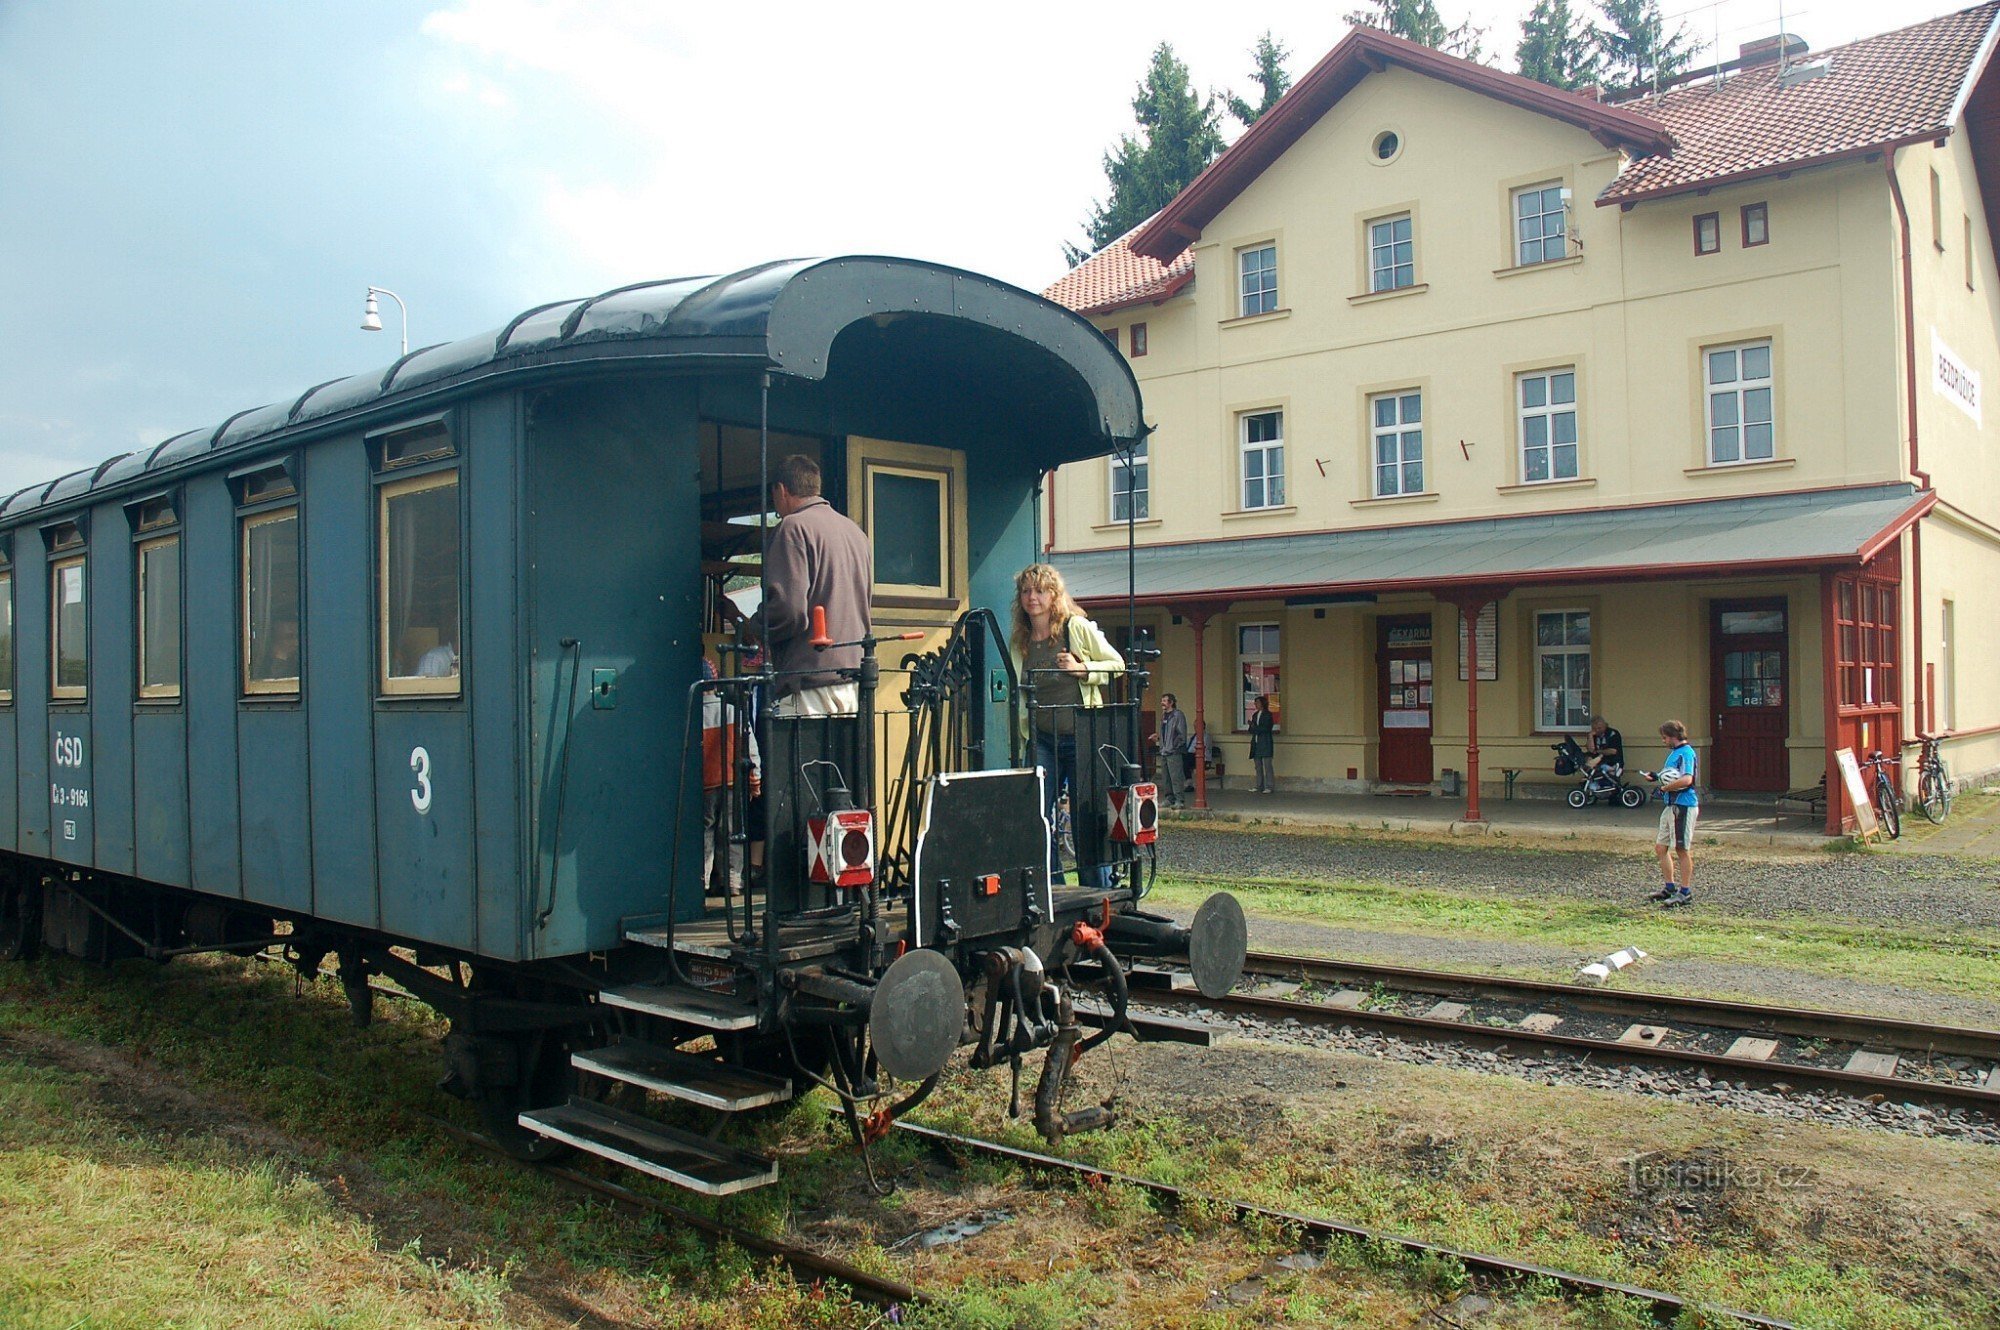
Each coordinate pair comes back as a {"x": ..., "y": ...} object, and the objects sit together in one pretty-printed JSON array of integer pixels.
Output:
[{"x": 1387, "y": 145}]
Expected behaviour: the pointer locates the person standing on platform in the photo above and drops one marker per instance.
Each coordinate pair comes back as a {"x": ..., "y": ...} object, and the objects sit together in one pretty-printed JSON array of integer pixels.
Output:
[
  {"x": 817, "y": 558},
  {"x": 1263, "y": 746},
  {"x": 1069, "y": 661},
  {"x": 1173, "y": 741},
  {"x": 1674, "y": 845}
]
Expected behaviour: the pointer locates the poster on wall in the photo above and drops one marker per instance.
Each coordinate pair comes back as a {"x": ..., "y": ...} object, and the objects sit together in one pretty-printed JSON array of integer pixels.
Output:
[{"x": 1487, "y": 631}]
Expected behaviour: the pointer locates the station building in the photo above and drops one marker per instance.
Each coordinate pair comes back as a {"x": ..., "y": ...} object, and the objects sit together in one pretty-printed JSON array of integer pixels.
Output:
[{"x": 1481, "y": 407}]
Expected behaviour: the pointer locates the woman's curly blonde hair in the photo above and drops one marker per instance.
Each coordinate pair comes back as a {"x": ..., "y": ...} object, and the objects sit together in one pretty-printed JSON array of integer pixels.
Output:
[{"x": 1042, "y": 577}]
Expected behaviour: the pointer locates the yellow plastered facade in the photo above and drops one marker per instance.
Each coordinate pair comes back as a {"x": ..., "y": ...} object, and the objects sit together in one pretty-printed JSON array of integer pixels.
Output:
[{"x": 1631, "y": 308}]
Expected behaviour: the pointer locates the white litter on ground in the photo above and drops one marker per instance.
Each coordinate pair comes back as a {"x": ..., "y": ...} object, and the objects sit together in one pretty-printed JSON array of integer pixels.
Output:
[{"x": 1600, "y": 971}]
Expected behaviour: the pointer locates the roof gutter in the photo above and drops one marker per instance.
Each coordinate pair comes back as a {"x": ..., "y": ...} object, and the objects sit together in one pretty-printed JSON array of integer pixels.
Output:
[{"x": 1918, "y": 692}]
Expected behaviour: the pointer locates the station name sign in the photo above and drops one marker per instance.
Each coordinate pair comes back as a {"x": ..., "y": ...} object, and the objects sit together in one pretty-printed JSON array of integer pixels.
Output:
[{"x": 1953, "y": 379}]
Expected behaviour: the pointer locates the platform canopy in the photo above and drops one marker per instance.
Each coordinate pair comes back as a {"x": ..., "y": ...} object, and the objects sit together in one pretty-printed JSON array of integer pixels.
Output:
[
  {"x": 895, "y": 341},
  {"x": 1764, "y": 534}
]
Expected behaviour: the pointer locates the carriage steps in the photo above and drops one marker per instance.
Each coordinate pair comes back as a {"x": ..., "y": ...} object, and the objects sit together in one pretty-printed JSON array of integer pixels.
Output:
[
  {"x": 697, "y": 1080},
  {"x": 679, "y": 1157},
  {"x": 690, "y": 1006}
]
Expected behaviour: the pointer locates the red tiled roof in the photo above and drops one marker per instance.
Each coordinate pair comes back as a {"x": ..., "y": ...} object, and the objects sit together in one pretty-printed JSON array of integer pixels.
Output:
[
  {"x": 1115, "y": 278},
  {"x": 1362, "y": 52},
  {"x": 1879, "y": 92}
]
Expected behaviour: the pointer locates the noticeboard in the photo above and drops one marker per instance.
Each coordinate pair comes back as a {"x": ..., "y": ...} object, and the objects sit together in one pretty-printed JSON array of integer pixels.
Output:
[{"x": 1865, "y": 825}]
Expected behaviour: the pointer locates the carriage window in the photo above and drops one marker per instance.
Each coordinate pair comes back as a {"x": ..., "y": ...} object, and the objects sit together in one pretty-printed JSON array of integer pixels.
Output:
[
  {"x": 417, "y": 595},
  {"x": 414, "y": 443},
  {"x": 271, "y": 602},
  {"x": 160, "y": 618},
  {"x": 70, "y": 630},
  {"x": 906, "y": 512},
  {"x": 6, "y": 637}
]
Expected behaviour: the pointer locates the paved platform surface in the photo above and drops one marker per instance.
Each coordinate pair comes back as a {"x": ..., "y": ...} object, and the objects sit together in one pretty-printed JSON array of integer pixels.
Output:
[{"x": 1722, "y": 822}]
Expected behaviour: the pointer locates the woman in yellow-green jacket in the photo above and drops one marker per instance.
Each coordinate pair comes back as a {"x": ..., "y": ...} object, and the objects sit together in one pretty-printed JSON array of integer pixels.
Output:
[{"x": 1069, "y": 661}]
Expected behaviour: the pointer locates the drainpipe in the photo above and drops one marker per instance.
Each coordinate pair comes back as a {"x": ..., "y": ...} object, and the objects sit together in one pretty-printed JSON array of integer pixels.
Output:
[{"x": 1917, "y": 473}]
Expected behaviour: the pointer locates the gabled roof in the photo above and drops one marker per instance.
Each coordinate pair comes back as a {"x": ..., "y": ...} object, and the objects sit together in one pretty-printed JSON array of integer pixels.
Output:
[
  {"x": 1881, "y": 92},
  {"x": 1115, "y": 278},
  {"x": 1908, "y": 86},
  {"x": 1362, "y": 52}
]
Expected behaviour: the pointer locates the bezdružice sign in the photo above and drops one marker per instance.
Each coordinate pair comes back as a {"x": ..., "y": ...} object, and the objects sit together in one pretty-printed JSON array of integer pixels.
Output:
[{"x": 1953, "y": 379}]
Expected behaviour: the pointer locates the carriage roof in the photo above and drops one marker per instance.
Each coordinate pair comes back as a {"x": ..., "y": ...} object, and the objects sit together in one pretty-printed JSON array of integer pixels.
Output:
[{"x": 1060, "y": 373}]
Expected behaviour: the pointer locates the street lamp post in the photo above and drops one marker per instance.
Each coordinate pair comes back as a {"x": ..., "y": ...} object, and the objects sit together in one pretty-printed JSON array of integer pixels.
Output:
[{"x": 371, "y": 317}]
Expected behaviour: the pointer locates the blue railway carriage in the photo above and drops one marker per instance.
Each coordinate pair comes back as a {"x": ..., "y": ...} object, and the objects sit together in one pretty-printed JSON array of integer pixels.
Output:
[{"x": 406, "y": 670}]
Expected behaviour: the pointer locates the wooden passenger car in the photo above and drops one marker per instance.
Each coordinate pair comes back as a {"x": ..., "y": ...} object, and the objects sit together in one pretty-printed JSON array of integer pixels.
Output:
[{"x": 400, "y": 667}]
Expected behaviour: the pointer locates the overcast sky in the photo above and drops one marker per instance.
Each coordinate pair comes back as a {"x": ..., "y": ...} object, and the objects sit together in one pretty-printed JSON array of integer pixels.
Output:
[{"x": 194, "y": 195}]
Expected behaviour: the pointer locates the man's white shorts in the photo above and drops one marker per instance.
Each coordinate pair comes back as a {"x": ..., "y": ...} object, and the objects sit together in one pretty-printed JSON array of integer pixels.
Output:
[{"x": 1677, "y": 826}]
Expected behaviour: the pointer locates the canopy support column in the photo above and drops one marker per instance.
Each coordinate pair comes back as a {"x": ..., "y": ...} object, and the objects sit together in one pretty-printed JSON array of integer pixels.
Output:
[
  {"x": 1471, "y": 603},
  {"x": 1198, "y": 617}
]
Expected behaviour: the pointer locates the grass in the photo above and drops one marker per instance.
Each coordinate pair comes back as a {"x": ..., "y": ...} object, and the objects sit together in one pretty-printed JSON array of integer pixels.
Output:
[
  {"x": 1496, "y": 1165},
  {"x": 1961, "y": 961},
  {"x": 191, "y": 1146}
]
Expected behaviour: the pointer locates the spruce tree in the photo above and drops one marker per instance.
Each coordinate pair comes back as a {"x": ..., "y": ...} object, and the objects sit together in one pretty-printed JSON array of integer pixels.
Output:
[
  {"x": 1179, "y": 135},
  {"x": 1269, "y": 75},
  {"x": 1420, "y": 22},
  {"x": 1557, "y": 47},
  {"x": 1638, "y": 50}
]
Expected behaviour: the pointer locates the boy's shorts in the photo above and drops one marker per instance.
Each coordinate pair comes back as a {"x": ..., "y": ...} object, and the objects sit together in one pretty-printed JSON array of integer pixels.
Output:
[{"x": 1677, "y": 826}]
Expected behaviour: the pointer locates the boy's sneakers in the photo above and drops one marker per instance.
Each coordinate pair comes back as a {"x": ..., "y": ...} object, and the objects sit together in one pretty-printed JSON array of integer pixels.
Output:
[
  {"x": 1681, "y": 896},
  {"x": 1664, "y": 894}
]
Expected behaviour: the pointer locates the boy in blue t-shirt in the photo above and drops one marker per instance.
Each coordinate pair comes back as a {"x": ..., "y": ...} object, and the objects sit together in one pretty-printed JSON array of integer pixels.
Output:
[{"x": 1673, "y": 846}]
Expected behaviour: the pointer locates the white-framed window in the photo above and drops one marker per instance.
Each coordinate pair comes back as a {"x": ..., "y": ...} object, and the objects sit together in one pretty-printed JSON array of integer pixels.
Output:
[
  {"x": 1541, "y": 223},
  {"x": 159, "y": 568},
  {"x": 1547, "y": 401},
  {"x": 417, "y": 595},
  {"x": 1396, "y": 423},
  {"x": 1131, "y": 485},
  {"x": 1392, "y": 253},
  {"x": 1262, "y": 435},
  {"x": 1257, "y": 670},
  {"x": 1738, "y": 383},
  {"x": 1257, "y": 274},
  {"x": 69, "y": 635},
  {"x": 1562, "y": 670}
]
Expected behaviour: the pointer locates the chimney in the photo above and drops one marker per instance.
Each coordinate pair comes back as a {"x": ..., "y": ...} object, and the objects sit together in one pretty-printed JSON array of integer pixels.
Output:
[{"x": 1769, "y": 50}]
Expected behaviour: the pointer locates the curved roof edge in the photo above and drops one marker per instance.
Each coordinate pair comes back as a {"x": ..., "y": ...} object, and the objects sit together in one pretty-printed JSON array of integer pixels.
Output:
[{"x": 782, "y": 316}]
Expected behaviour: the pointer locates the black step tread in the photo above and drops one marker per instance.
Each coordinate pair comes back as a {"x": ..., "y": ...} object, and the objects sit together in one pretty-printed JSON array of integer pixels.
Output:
[{"x": 699, "y": 1080}]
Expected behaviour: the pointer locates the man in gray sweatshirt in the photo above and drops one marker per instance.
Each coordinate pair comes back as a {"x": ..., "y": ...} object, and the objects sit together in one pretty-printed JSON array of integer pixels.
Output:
[{"x": 817, "y": 557}]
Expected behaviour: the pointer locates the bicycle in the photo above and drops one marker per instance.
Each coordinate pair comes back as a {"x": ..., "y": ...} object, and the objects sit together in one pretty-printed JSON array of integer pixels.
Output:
[
  {"x": 1934, "y": 792},
  {"x": 1882, "y": 794}
]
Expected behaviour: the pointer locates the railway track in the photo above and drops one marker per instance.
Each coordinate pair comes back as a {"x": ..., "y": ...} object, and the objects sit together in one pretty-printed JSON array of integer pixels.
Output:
[
  {"x": 1785, "y": 1048},
  {"x": 1665, "y": 1307},
  {"x": 881, "y": 1291},
  {"x": 869, "y": 1287}
]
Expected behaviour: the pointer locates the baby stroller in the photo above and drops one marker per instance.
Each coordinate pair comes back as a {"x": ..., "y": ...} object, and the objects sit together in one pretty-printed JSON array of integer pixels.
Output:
[{"x": 1602, "y": 782}]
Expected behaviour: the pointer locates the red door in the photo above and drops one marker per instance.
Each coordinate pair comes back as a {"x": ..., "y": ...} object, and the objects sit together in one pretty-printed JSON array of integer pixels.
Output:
[
  {"x": 1750, "y": 694},
  {"x": 1403, "y": 695}
]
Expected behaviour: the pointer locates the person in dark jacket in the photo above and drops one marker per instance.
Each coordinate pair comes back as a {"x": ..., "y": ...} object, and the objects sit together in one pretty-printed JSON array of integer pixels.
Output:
[
  {"x": 1607, "y": 745},
  {"x": 1263, "y": 725},
  {"x": 1174, "y": 743},
  {"x": 817, "y": 557}
]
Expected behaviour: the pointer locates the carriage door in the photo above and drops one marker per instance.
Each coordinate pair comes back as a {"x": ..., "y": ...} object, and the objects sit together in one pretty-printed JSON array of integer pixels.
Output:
[
  {"x": 1403, "y": 696},
  {"x": 1748, "y": 691}
]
